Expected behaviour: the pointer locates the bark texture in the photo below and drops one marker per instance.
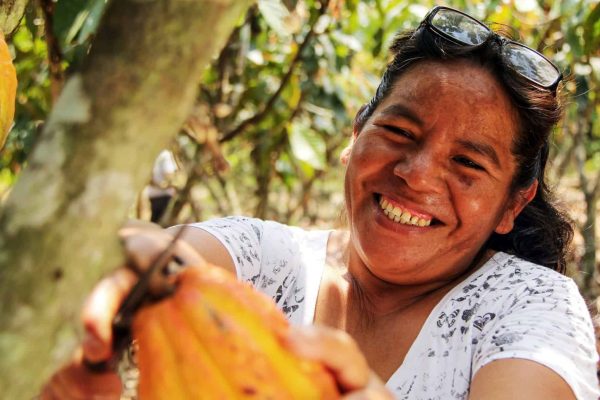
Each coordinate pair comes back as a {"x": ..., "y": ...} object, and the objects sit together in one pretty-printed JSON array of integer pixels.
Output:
[
  {"x": 58, "y": 227},
  {"x": 11, "y": 12}
]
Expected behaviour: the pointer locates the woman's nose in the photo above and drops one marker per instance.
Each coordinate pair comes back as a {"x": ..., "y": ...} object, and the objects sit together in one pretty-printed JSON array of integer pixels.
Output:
[{"x": 422, "y": 171}]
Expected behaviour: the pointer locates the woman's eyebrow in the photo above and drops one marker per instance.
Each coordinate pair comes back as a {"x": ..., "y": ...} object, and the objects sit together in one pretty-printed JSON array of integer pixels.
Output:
[
  {"x": 484, "y": 149},
  {"x": 400, "y": 110}
]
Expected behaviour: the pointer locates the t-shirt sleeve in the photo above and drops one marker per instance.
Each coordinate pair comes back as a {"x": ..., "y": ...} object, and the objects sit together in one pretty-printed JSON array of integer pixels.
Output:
[
  {"x": 545, "y": 321},
  {"x": 268, "y": 255}
]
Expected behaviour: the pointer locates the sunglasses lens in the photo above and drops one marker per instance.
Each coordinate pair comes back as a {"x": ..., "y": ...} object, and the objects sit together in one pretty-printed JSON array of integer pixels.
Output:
[
  {"x": 530, "y": 64},
  {"x": 460, "y": 27}
]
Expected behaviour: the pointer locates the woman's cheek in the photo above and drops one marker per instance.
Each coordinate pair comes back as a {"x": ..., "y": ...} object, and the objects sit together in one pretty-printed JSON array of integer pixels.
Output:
[{"x": 466, "y": 181}]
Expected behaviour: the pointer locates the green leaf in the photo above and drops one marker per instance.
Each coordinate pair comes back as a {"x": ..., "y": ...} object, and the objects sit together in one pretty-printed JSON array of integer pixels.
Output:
[
  {"x": 276, "y": 15},
  {"x": 66, "y": 18},
  {"x": 591, "y": 30},
  {"x": 292, "y": 93},
  {"x": 76, "y": 20},
  {"x": 378, "y": 38},
  {"x": 23, "y": 40},
  {"x": 307, "y": 145},
  {"x": 349, "y": 41},
  {"x": 90, "y": 25}
]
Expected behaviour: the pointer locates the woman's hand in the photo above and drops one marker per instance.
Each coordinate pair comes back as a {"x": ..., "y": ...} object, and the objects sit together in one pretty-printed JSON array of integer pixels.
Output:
[
  {"x": 341, "y": 355},
  {"x": 75, "y": 381}
]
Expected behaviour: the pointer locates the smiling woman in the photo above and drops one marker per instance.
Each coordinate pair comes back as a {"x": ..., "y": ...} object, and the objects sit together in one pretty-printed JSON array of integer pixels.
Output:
[{"x": 451, "y": 284}]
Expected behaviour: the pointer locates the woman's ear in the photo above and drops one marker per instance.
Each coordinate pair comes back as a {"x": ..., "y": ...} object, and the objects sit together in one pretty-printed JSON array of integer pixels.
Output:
[
  {"x": 356, "y": 127},
  {"x": 345, "y": 154},
  {"x": 517, "y": 204}
]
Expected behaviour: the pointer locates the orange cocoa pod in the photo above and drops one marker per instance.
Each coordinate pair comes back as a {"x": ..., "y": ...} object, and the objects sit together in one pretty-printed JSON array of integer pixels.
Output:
[
  {"x": 8, "y": 90},
  {"x": 218, "y": 338}
]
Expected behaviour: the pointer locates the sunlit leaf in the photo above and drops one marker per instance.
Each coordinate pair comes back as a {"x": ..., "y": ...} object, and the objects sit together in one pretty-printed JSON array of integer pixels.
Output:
[
  {"x": 348, "y": 41},
  {"x": 307, "y": 145},
  {"x": 23, "y": 40},
  {"x": 276, "y": 15},
  {"x": 89, "y": 27},
  {"x": 76, "y": 20}
]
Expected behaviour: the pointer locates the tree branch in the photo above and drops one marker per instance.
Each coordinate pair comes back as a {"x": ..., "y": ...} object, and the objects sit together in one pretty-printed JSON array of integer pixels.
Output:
[
  {"x": 55, "y": 56},
  {"x": 260, "y": 115}
]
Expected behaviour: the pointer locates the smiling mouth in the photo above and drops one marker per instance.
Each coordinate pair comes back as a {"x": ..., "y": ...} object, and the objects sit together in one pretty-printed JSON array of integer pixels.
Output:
[{"x": 402, "y": 216}]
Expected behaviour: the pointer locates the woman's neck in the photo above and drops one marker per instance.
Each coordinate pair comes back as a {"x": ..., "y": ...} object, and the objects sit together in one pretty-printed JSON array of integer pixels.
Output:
[{"x": 372, "y": 298}]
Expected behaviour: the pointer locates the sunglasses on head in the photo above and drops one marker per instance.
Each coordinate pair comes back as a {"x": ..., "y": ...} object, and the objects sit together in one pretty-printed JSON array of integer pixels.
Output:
[{"x": 462, "y": 29}]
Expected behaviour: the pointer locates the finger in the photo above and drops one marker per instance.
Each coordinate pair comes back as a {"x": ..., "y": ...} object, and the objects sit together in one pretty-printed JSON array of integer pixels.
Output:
[
  {"x": 99, "y": 310},
  {"x": 368, "y": 394},
  {"x": 336, "y": 350},
  {"x": 134, "y": 226},
  {"x": 142, "y": 248},
  {"x": 76, "y": 382},
  {"x": 375, "y": 390},
  {"x": 48, "y": 392}
]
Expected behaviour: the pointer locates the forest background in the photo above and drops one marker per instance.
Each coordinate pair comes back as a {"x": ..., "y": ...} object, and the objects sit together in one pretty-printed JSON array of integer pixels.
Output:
[{"x": 274, "y": 109}]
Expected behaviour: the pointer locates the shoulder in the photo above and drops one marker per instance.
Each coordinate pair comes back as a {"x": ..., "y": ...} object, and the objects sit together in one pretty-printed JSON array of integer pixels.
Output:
[
  {"x": 506, "y": 276},
  {"x": 512, "y": 290},
  {"x": 531, "y": 312},
  {"x": 508, "y": 309},
  {"x": 506, "y": 285},
  {"x": 526, "y": 285}
]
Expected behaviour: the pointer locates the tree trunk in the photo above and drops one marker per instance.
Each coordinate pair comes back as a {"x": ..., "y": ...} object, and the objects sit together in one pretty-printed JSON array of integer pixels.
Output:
[
  {"x": 590, "y": 189},
  {"x": 11, "y": 12},
  {"x": 58, "y": 227},
  {"x": 588, "y": 232}
]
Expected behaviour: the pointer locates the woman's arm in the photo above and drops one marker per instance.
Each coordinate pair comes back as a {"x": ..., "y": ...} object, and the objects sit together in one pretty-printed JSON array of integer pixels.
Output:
[
  {"x": 143, "y": 243},
  {"x": 513, "y": 378}
]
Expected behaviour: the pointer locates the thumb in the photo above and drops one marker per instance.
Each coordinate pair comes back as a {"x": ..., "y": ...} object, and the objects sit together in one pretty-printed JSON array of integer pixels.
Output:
[{"x": 99, "y": 311}]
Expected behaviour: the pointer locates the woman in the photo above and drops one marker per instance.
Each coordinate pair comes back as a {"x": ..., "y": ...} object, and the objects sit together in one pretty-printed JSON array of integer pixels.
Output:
[{"x": 451, "y": 285}]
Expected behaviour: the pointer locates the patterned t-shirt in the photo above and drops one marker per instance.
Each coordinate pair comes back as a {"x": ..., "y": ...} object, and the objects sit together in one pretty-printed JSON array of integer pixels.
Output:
[{"x": 509, "y": 308}]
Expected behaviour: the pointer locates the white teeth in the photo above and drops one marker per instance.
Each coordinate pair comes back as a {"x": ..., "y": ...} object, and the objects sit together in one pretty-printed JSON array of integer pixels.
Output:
[
  {"x": 405, "y": 217},
  {"x": 396, "y": 214}
]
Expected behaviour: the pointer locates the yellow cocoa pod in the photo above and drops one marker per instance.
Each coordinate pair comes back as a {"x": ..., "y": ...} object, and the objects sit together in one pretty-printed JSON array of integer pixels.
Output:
[
  {"x": 218, "y": 338},
  {"x": 8, "y": 90}
]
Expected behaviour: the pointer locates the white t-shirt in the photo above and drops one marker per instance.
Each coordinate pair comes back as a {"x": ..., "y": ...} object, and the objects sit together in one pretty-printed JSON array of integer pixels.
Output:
[{"x": 509, "y": 308}]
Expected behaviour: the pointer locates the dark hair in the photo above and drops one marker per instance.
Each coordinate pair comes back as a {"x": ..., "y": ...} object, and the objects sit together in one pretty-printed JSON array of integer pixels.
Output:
[{"x": 541, "y": 232}]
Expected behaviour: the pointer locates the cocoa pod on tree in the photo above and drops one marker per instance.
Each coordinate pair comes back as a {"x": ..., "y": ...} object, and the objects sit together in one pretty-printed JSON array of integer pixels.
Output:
[{"x": 8, "y": 90}]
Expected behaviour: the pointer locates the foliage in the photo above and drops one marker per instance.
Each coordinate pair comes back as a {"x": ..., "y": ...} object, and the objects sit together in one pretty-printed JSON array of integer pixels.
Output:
[{"x": 278, "y": 101}]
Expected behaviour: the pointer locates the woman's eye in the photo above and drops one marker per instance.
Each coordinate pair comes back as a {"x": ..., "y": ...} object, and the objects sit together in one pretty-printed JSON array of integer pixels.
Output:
[
  {"x": 398, "y": 131},
  {"x": 468, "y": 163}
]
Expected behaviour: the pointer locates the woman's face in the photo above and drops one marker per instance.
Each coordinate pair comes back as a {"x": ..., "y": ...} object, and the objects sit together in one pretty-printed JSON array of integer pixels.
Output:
[{"x": 428, "y": 175}]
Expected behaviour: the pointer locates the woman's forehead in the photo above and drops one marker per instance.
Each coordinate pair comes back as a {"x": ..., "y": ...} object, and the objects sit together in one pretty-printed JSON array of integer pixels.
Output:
[
  {"x": 460, "y": 98},
  {"x": 449, "y": 76},
  {"x": 452, "y": 87}
]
